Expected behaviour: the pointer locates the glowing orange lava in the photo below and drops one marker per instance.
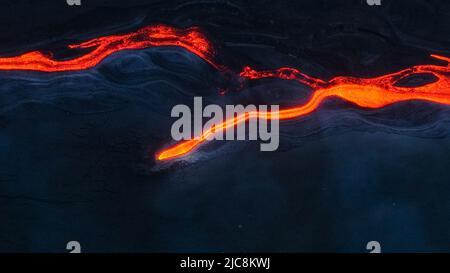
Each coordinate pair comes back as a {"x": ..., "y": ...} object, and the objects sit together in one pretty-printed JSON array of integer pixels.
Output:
[
  {"x": 369, "y": 93},
  {"x": 159, "y": 35}
]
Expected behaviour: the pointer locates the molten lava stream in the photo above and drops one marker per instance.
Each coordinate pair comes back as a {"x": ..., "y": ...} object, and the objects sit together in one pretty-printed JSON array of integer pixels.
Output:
[
  {"x": 368, "y": 93},
  {"x": 151, "y": 36}
]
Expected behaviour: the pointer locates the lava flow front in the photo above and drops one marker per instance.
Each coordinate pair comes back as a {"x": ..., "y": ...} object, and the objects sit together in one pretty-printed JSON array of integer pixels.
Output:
[{"x": 369, "y": 93}]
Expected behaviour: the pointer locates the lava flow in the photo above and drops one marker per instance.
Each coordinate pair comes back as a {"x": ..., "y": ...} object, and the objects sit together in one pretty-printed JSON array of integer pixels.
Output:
[
  {"x": 151, "y": 36},
  {"x": 368, "y": 93}
]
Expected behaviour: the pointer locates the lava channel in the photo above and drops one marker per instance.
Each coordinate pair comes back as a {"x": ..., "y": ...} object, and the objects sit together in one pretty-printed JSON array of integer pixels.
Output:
[
  {"x": 151, "y": 36},
  {"x": 365, "y": 92},
  {"x": 369, "y": 93}
]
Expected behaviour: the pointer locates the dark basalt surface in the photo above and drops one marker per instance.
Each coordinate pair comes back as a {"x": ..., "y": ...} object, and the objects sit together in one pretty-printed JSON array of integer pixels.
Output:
[{"x": 77, "y": 148}]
